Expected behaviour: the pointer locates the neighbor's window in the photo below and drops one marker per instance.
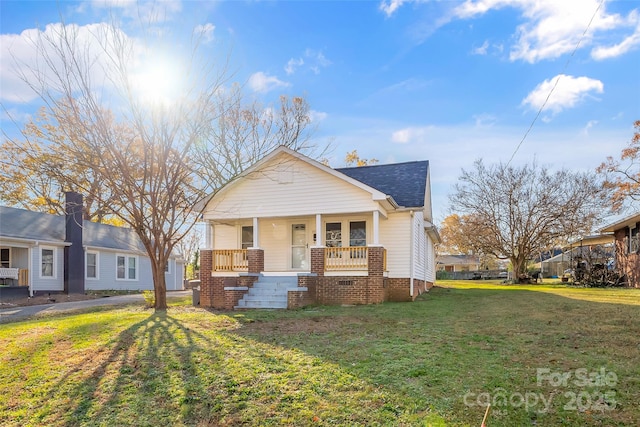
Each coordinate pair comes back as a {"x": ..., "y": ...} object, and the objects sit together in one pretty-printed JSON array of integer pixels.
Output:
[
  {"x": 5, "y": 258},
  {"x": 247, "y": 237},
  {"x": 358, "y": 233},
  {"x": 333, "y": 235},
  {"x": 633, "y": 241},
  {"x": 126, "y": 267},
  {"x": 92, "y": 265},
  {"x": 47, "y": 262}
]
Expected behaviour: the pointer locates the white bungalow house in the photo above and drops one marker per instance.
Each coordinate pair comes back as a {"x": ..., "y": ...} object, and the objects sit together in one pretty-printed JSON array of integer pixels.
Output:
[
  {"x": 42, "y": 253},
  {"x": 291, "y": 231}
]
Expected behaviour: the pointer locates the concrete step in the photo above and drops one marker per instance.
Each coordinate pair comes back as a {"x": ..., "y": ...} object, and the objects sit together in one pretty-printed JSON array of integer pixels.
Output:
[{"x": 269, "y": 292}]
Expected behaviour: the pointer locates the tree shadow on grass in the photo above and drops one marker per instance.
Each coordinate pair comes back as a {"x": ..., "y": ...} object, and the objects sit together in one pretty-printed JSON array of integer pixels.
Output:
[{"x": 148, "y": 375}]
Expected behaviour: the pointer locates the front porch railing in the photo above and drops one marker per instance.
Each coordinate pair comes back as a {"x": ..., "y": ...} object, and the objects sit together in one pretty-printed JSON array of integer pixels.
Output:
[
  {"x": 230, "y": 260},
  {"x": 349, "y": 258}
]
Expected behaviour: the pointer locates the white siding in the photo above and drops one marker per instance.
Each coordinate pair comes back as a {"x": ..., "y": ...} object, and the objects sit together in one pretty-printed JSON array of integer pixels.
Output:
[
  {"x": 395, "y": 236},
  {"x": 419, "y": 246},
  {"x": 430, "y": 275},
  {"x": 226, "y": 236},
  {"x": 46, "y": 284},
  {"x": 107, "y": 273},
  {"x": 275, "y": 239},
  {"x": 304, "y": 190}
]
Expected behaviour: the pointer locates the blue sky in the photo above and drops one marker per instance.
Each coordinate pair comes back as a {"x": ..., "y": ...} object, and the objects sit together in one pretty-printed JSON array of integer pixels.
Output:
[{"x": 445, "y": 81}]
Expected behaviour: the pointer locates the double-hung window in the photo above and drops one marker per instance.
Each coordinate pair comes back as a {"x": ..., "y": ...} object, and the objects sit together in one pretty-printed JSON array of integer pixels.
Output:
[
  {"x": 5, "y": 258},
  {"x": 91, "y": 269},
  {"x": 47, "y": 262},
  {"x": 126, "y": 267},
  {"x": 358, "y": 238},
  {"x": 247, "y": 237}
]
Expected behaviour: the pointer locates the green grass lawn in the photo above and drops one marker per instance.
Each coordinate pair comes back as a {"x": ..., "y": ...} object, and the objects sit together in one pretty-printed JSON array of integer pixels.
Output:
[{"x": 540, "y": 354}]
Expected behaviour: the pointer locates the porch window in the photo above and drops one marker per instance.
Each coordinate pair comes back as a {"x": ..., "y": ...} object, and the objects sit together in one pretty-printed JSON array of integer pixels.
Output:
[
  {"x": 358, "y": 233},
  {"x": 47, "y": 262},
  {"x": 5, "y": 258},
  {"x": 333, "y": 235},
  {"x": 127, "y": 267},
  {"x": 92, "y": 265},
  {"x": 247, "y": 237}
]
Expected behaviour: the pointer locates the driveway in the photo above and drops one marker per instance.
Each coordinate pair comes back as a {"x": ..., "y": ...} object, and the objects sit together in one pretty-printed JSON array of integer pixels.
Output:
[{"x": 10, "y": 314}]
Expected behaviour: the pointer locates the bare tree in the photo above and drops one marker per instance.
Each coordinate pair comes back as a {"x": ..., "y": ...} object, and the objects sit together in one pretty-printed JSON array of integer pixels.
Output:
[
  {"x": 37, "y": 169},
  {"x": 245, "y": 131},
  {"x": 137, "y": 147},
  {"x": 623, "y": 175},
  {"x": 513, "y": 213}
]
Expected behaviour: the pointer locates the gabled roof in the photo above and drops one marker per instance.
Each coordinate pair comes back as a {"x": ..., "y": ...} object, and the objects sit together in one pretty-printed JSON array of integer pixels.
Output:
[
  {"x": 27, "y": 225},
  {"x": 405, "y": 182}
]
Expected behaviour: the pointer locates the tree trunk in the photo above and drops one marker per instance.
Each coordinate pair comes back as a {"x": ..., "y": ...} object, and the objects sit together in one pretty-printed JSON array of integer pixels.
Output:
[{"x": 160, "y": 289}]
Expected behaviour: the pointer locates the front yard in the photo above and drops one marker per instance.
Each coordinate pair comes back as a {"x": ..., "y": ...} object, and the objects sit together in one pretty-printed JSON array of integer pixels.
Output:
[{"x": 541, "y": 355}]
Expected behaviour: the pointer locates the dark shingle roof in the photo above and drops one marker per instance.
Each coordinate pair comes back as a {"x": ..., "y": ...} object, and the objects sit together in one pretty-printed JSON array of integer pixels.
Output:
[
  {"x": 23, "y": 224},
  {"x": 405, "y": 182}
]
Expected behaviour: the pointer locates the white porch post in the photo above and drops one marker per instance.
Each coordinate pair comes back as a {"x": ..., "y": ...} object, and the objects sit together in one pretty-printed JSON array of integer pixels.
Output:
[
  {"x": 208, "y": 235},
  {"x": 376, "y": 228},
  {"x": 319, "y": 240},
  {"x": 256, "y": 243}
]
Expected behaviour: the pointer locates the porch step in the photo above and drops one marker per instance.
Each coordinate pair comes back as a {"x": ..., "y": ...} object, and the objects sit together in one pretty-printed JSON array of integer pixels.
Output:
[{"x": 269, "y": 292}]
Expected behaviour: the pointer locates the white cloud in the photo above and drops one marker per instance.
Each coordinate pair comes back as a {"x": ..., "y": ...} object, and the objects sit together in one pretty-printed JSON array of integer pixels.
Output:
[
  {"x": 317, "y": 116},
  {"x": 481, "y": 50},
  {"x": 552, "y": 28},
  {"x": 293, "y": 63},
  {"x": 549, "y": 28},
  {"x": 390, "y": 6},
  {"x": 314, "y": 60},
  {"x": 261, "y": 82},
  {"x": 205, "y": 31},
  {"x": 568, "y": 92},
  {"x": 629, "y": 43},
  {"x": 410, "y": 134},
  {"x": 21, "y": 59}
]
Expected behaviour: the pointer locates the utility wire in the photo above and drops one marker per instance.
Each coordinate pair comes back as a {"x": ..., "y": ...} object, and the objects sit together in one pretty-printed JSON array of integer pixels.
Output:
[{"x": 566, "y": 65}]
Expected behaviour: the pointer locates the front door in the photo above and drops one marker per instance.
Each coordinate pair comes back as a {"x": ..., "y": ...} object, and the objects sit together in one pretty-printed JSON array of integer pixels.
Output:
[{"x": 298, "y": 246}]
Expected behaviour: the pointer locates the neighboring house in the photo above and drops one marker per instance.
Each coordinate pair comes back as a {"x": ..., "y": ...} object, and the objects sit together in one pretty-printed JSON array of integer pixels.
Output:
[
  {"x": 626, "y": 233},
  {"x": 291, "y": 231},
  {"x": 41, "y": 253},
  {"x": 592, "y": 249},
  {"x": 456, "y": 263}
]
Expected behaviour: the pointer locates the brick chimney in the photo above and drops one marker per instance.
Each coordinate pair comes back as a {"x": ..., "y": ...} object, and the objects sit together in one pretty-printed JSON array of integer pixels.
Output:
[{"x": 74, "y": 253}]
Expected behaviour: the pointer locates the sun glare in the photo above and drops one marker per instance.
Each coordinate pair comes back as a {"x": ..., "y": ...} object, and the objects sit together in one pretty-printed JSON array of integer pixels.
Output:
[{"x": 157, "y": 83}]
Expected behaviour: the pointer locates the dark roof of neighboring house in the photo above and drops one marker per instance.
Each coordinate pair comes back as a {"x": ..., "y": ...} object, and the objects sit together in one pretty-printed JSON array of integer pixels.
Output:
[
  {"x": 405, "y": 182},
  {"x": 23, "y": 224}
]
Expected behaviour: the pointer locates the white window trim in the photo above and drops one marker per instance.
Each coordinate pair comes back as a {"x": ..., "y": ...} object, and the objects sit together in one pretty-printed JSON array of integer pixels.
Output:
[
  {"x": 86, "y": 264},
  {"x": 8, "y": 248},
  {"x": 126, "y": 268},
  {"x": 168, "y": 270},
  {"x": 55, "y": 263}
]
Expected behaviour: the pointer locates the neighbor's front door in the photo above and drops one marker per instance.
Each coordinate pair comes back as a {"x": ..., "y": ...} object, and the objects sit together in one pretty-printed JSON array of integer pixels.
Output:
[{"x": 298, "y": 246}]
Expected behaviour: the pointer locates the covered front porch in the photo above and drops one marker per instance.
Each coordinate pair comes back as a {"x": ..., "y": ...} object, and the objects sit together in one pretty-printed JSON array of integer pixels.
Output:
[
  {"x": 287, "y": 243},
  {"x": 14, "y": 272},
  {"x": 327, "y": 255}
]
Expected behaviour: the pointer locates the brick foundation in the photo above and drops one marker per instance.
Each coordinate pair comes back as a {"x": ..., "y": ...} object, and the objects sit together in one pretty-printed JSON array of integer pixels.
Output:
[{"x": 321, "y": 289}]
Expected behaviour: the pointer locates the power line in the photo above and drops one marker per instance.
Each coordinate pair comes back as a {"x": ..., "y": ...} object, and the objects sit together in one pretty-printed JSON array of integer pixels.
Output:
[{"x": 566, "y": 65}]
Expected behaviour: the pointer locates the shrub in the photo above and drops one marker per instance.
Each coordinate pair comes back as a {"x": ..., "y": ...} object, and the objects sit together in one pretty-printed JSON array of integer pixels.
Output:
[{"x": 149, "y": 297}]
